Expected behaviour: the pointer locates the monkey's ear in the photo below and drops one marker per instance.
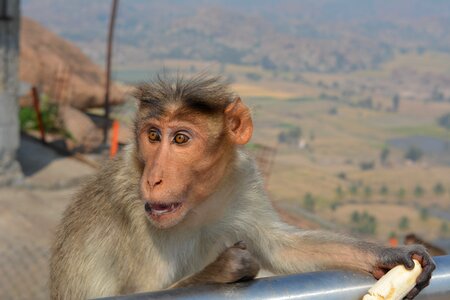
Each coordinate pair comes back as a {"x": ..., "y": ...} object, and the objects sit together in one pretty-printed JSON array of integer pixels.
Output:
[{"x": 239, "y": 122}]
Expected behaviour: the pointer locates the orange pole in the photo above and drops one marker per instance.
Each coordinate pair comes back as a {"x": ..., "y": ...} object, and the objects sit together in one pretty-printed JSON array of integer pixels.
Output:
[{"x": 114, "y": 139}]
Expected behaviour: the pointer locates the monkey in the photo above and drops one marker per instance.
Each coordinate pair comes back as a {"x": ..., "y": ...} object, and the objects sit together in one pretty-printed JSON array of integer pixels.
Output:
[{"x": 184, "y": 204}]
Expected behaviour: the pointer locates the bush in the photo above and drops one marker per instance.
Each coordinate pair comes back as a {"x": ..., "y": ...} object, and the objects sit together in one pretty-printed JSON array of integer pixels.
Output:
[
  {"x": 384, "y": 190},
  {"x": 414, "y": 153},
  {"x": 366, "y": 165},
  {"x": 419, "y": 191},
  {"x": 401, "y": 193},
  {"x": 49, "y": 113},
  {"x": 309, "y": 202},
  {"x": 404, "y": 223},
  {"x": 339, "y": 192},
  {"x": 368, "y": 191},
  {"x": 424, "y": 214},
  {"x": 444, "y": 121},
  {"x": 363, "y": 223},
  {"x": 439, "y": 189},
  {"x": 353, "y": 189}
]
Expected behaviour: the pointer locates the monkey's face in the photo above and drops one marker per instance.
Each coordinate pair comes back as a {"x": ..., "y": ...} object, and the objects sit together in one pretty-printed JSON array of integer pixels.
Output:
[{"x": 185, "y": 159}]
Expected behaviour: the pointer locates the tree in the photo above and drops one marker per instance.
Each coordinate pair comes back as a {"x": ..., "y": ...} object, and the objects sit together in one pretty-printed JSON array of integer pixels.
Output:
[
  {"x": 414, "y": 153},
  {"x": 444, "y": 121},
  {"x": 384, "y": 190},
  {"x": 439, "y": 189},
  {"x": 309, "y": 202},
  {"x": 419, "y": 191},
  {"x": 404, "y": 223},
  {"x": 395, "y": 102},
  {"x": 355, "y": 217},
  {"x": 339, "y": 192},
  {"x": 401, "y": 193},
  {"x": 353, "y": 189},
  {"x": 424, "y": 214},
  {"x": 384, "y": 155},
  {"x": 368, "y": 191},
  {"x": 366, "y": 165}
]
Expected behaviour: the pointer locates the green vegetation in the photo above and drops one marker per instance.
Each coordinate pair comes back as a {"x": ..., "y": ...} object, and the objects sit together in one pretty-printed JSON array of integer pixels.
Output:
[
  {"x": 414, "y": 153},
  {"x": 444, "y": 121},
  {"x": 395, "y": 103},
  {"x": 419, "y": 191},
  {"x": 384, "y": 190},
  {"x": 291, "y": 136},
  {"x": 339, "y": 192},
  {"x": 368, "y": 191},
  {"x": 384, "y": 155},
  {"x": 363, "y": 223},
  {"x": 49, "y": 113},
  {"x": 404, "y": 223},
  {"x": 424, "y": 214},
  {"x": 353, "y": 189},
  {"x": 309, "y": 202},
  {"x": 366, "y": 165},
  {"x": 439, "y": 189},
  {"x": 401, "y": 193}
]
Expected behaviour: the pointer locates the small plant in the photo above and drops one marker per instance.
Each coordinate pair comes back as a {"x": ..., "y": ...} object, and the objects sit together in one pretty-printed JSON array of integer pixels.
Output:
[
  {"x": 384, "y": 190},
  {"x": 439, "y": 189},
  {"x": 353, "y": 189},
  {"x": 424, "y": 214},
  {"x": 419, "y": 191},
  {"x": 401, "y": 193},
  {"x": 339, "y": 192},
  {"x": 404, "y": 223},
  {"x": 49, "y": 114},
  {"x": 366, "y": 165},
  {"x": 368, "y": 191},
  {"x": 309, "y": 202}
]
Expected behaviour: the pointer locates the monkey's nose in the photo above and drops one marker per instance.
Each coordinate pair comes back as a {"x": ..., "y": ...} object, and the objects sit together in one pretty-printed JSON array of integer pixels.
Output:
[{"x": 155, "y": 183}]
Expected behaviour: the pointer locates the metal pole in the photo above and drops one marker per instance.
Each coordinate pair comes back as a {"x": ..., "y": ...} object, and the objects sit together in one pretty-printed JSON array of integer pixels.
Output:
[
  {"x": 112, "y": 21},
  {"x": 336, "y": 285}
]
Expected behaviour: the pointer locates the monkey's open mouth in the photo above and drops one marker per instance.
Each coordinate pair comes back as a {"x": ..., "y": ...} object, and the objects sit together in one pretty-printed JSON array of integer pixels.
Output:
[{"x": 161, "y": 208}]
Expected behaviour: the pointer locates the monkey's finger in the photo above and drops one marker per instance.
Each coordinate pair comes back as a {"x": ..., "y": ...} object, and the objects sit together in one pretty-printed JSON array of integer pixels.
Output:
[
  {"x": 241, "y": 244},
  {"x": 413, "y": 293}
]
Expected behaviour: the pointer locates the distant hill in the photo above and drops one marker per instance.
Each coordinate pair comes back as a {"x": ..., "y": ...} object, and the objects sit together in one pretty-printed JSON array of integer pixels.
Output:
[
  {"x": 60, "y": 68},
  {"x": 286, "y": 35}
]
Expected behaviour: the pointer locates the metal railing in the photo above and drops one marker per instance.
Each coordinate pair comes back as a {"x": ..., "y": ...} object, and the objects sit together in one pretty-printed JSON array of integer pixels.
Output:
[{"x": 343, "y": 285}]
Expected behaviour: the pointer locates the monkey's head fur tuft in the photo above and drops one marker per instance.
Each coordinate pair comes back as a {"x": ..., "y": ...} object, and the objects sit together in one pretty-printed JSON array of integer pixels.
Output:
[{"x": 186, "y": 133}]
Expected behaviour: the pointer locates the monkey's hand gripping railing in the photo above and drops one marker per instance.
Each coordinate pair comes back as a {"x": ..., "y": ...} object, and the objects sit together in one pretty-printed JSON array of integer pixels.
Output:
[{"x": 343, "y": 285}]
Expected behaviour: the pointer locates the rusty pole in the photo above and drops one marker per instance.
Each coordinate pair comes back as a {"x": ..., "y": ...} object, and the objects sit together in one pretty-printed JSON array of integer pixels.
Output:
[{"x": 112, "y": 21}]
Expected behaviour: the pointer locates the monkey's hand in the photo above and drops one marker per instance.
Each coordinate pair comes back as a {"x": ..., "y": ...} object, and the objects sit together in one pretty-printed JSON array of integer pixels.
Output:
[
  {"x": 234, "y": 264},
  {"x": 391, "y": 257}
]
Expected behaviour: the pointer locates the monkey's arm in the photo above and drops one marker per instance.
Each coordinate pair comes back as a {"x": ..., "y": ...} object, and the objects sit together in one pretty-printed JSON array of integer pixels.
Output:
[
  {"x": 300, "y": 251},
  {"x": 234, "y": 264}
]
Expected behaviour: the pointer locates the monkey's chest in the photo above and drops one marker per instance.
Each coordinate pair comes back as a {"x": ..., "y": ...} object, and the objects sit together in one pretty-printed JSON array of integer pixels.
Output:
[{"x": 164, "y": 266}]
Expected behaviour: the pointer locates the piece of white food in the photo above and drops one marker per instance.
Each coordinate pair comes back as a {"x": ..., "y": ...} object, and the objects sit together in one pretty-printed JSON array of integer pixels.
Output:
[{"x": 395, "y": 284}]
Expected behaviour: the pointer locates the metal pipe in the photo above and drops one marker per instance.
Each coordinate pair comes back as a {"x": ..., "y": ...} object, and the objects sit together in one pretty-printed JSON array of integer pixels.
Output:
[
  {"x": 112, "y": 21},
  {"x": 339, "y": 285}
]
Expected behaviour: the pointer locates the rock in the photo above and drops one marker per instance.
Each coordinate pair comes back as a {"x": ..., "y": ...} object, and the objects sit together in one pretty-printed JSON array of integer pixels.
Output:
[{"x": 85, "y": 136}]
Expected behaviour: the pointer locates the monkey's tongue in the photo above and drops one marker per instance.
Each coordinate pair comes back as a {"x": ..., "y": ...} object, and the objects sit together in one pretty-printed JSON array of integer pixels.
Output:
[{"x": 161, "y": 208}]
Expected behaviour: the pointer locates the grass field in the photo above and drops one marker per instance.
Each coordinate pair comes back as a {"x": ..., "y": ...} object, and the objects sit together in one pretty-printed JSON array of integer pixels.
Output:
[{"x": 340, "y": 136}]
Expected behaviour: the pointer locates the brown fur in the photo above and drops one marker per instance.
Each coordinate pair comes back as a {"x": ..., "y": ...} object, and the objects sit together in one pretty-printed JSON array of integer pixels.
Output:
[{"x": 107, "y": 244}]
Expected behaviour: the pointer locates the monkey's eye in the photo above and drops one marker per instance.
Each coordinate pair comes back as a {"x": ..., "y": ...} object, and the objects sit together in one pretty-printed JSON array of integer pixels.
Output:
[
  {"x": 180, "y": 138},
  {"x": 153, "y": 136}
]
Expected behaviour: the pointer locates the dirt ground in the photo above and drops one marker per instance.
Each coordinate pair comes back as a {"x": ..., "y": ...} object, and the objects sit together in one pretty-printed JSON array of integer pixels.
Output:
[{"x": 29, "y": 213}]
